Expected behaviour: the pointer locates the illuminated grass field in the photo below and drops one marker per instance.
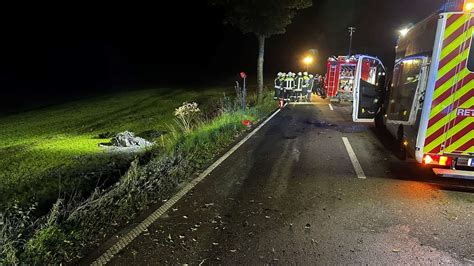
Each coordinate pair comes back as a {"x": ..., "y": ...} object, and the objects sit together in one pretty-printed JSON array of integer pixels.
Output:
[{"x": 47, "y": 151}]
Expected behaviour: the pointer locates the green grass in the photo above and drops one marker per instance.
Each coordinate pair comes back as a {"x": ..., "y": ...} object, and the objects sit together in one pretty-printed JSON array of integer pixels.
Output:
[
  {"x": 74, "y": 225},
  {"x": 44, "y": 151}
]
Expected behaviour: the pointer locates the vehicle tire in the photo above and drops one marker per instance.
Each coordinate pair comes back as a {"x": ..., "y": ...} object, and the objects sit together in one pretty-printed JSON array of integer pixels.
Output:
[
  {"x": 379, "y": 121},
  {"x": 402, "y": 149}
]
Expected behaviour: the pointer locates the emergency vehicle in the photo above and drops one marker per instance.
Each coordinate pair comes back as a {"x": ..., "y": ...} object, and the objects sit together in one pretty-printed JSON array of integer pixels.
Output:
[
  {"x": 429, "y": 105},
  {"x": 339, "y": 82},
  {"x": 340, "y": 72}
]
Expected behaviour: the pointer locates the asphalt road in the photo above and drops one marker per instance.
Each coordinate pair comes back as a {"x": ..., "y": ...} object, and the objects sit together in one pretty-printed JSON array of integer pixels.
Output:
[{"x": 290, "y": 195}]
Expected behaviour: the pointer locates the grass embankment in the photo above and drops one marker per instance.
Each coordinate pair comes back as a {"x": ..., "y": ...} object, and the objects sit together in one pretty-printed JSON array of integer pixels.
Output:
[
  {"x": 52, "y": 150},
  {"x": 72, "y": 225}
]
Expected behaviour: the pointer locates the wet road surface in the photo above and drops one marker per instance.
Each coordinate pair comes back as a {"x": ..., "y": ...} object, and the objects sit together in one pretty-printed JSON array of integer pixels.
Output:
[{"x": 290, "y": 195}]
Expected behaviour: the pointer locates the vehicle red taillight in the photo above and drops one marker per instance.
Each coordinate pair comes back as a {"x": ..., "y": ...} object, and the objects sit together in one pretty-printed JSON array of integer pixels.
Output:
[{"x": 437, "y": 160}]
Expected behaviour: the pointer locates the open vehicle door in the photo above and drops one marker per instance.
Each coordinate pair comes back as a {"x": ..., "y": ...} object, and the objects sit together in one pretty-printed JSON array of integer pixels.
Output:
[
  {"x": 407, "y": 91},
  {"x": 368, "y": 89}
]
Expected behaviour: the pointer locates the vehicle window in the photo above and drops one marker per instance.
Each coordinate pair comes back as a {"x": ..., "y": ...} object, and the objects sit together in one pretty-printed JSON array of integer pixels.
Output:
[
  {"x": 369, "y": 71},
  {"x": 470, "y": 60},
  {"x": 405, "y": 82},
  {"x": 346, "y": 78}
]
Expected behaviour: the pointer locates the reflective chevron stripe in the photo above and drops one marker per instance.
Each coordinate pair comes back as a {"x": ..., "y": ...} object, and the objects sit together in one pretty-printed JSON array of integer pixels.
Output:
[{"x": 447, "y": 132}]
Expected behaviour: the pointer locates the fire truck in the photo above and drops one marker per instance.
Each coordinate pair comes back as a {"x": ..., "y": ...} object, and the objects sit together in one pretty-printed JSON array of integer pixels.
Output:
[
  {"x": 339, "y": 76},
  {"x": 429, "y": 104},
  {"x": 341, "y": 72}
]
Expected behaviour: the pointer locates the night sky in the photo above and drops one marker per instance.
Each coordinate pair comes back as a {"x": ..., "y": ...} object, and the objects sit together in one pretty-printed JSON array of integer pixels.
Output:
[{"x": 66, "y": 51}]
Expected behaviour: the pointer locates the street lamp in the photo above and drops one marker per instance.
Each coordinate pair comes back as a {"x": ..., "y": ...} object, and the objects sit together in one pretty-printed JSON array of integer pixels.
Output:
[{"x": 308, "y": 61}]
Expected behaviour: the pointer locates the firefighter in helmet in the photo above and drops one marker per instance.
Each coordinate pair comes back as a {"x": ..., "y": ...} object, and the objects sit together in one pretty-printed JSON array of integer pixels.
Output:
[
  {"x": 283, "y": 78},
  {"x": 289, "y": 86},
  {"x": 278, "y": 85},
  {"x": 317, "y": 83},
  {"x": 306, "y": 86},
  {"x": 298, "y": 86}
]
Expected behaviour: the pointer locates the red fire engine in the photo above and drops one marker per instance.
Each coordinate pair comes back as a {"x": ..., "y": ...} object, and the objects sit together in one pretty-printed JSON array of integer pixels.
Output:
[{"x": 341, "y": 72}]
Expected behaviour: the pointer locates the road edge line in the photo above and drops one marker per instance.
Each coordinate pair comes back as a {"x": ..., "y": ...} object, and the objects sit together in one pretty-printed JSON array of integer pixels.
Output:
[
  {"x": 301, "y": 103},
  {"x": 355, "y": 162},
  {"x": 141, "y": 227}
]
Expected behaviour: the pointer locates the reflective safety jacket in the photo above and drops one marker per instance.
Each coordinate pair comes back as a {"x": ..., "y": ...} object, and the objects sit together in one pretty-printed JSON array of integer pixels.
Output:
[
  {"x": 310, "y": 84},
  {"x": 305, "y": 82},
  {"x": 289, "y": 83},
  {"x": 299, "y": 83},
  {"x": 278, "y": 83}
]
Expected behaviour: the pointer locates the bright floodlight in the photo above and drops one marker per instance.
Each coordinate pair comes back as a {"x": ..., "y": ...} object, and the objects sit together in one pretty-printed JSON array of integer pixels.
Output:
[
  {"x": 308, "y": 60},
  {"x": 404, "y": 32}
]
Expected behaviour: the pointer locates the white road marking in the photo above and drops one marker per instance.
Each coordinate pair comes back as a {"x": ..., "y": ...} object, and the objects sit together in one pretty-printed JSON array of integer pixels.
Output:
[
  {"x": 140, "y": 228},
  {"x": 307, "y": 103},
  {"x": 355, "y": 162},
  {"x": 301, "y": 103},
  {"x": 330, "y": 107}
]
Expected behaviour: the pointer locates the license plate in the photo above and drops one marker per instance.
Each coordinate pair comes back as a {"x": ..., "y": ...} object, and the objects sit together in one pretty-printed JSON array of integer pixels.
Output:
[{"x": 471, "y": 162}]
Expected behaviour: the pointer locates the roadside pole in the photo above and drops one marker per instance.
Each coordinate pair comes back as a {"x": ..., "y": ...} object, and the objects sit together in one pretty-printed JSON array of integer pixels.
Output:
[{"x": 244, "y": 91}]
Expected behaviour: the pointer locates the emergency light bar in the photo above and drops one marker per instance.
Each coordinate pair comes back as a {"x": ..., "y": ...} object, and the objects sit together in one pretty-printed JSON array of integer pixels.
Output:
[
  {"x": 469, "y": 6},
  {"x": 458, "y": 5}
]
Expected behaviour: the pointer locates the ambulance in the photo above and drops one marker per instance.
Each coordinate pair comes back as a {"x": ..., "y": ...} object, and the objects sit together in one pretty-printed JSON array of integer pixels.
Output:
[{"x": 429, "y": 104}]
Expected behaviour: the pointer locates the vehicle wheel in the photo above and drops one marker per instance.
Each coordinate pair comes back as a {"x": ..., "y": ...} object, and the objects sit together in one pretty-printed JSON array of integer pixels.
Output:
[
  {"x": 402, "y": 149},
  {"x": 379, "y": 121}
]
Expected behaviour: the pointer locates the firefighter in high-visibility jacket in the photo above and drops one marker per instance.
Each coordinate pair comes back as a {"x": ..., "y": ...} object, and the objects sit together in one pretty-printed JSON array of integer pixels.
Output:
[
  {"x": 278, "y": 85},
  {"x": 306, "y": 87},
  {"x": 298, "y": 87},
  {"x": 289, "y": 86}
]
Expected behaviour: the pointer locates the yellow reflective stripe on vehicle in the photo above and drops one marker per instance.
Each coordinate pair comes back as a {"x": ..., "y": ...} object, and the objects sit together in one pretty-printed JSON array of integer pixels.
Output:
[
  {"x": 448, "y": 84},
  {"x": 454, "y": 26},
  {"x": 460, "y": 142},
  {"x": 453, "y": 63},
  {"x": 448, "y": 101},
  {"x": 453, "y": 131},
  {"x": 456, "y": 43},
  {"x": 442, "y": 122}
]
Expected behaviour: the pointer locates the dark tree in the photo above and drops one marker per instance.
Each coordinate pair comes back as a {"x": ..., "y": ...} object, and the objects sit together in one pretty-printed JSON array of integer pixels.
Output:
[{"x": 264, "y": 18}]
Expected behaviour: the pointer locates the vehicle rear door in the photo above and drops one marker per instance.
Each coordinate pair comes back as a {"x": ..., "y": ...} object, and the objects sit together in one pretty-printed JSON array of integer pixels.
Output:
[{"x": 451, "y": 125}]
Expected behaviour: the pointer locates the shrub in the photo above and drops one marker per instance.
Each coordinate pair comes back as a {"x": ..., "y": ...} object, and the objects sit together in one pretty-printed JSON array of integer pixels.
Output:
[
  {"x": 49, "y": 244},
  {"x": 17, "y": 224},
  {"x": 187, "y": 116}
]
